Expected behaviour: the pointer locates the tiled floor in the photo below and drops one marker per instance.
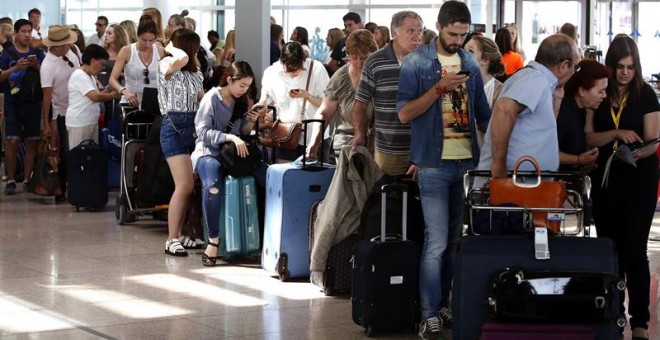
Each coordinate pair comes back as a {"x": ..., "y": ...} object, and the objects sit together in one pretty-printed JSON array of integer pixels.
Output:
[{"x": 68, "y": 275}]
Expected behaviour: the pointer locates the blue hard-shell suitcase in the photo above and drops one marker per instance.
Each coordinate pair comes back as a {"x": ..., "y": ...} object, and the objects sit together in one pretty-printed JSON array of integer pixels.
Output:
[
  {"x": 480, "y": 258},
  {"x": 241, "y": 218},
  {"x": 88, "y": 176},
  {"x": 291, "y": 189}
]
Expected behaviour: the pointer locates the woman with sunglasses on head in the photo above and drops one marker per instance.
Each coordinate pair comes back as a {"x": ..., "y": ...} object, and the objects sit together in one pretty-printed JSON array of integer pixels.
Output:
[
  {"x": 623, "y": 206},
  {"x": 139, "y": 64},
  {"x": 179, "y": 92},
  {"x": 220, "y": 107}
]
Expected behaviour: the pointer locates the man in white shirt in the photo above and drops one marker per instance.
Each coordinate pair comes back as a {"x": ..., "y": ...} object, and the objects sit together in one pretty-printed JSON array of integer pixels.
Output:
[
  {"x": 34, "y": 15},
  {"x": 283, "y": 85},
  {"x": 101, "y": 26},
  {"x": 57, "y": 67}
]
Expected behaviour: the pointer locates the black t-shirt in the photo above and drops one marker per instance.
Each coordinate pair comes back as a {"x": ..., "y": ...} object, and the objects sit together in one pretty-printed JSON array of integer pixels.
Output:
[{"x": 570, "y": 130}]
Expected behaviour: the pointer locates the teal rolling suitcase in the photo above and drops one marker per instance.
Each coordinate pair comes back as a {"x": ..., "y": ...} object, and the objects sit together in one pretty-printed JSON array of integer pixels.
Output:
[{"x": 241, "y": 222}]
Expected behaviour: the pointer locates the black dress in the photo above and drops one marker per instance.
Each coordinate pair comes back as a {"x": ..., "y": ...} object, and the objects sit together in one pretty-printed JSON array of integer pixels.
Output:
[{"x": 623, "y": 210}]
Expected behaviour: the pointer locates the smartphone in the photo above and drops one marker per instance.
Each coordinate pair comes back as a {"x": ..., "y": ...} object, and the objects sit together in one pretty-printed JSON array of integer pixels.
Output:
[
  {"x": 295, "y": 90},
  {"x": 256, "y": 107},
  {"x": 464, "y": 72}
]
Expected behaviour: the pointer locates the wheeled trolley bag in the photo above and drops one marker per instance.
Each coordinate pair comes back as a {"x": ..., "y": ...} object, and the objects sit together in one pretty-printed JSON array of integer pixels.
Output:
[
  {"x": 385, "y": 277},
  {"x": 291, "y": 189},
  {"x": 88, "y": 176},
  {"x": 241, "y": 218}
]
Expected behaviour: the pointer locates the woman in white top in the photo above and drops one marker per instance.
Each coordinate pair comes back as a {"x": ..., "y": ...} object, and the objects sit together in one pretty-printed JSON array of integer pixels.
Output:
[
  {"x": 139, "y": 63},
  {"x": 82, "y": 114},
  {"x": 490, "y": 63},
  {"x": 179, "y": 92}
]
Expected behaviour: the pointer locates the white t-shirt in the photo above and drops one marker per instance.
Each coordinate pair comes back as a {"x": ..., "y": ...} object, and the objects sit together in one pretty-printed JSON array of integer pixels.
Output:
[
  {"x": 55, "y": 73},
  {"x": 276, "y": 84},
  {"x": 82, "y": 111}
]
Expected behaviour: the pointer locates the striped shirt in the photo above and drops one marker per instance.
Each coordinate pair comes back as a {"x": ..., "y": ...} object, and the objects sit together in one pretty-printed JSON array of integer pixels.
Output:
[
  {"x": 179, "y": 93},
  {"x": 379, "y": 84}
]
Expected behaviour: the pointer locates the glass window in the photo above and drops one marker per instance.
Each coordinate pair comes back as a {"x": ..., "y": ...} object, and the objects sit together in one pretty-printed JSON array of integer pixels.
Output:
[
  {"x": 317, "y": 27},
  {"x": 649, "y": 37},
  {"x": 543, "y": 18},
  {"x": 611, "y": 19}
]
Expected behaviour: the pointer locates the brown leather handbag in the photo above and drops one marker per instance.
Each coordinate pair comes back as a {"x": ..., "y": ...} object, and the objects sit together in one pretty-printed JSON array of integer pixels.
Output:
[
  {"x": 541, "y": 194},
  {"x": 287, "y": 135},
  {"x": 44, "y": 180}
]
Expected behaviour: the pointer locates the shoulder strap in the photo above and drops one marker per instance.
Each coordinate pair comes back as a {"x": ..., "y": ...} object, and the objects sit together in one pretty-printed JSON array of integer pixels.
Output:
[
  {"x": 309, "y": 77},
  {"x": 13, "y": 53}
]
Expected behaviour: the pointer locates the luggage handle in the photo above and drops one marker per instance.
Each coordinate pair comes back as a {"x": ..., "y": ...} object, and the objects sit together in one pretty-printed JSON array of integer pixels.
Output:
[
  {"x": 305, "y": 123},
  {"x": 388, "y": 188}
]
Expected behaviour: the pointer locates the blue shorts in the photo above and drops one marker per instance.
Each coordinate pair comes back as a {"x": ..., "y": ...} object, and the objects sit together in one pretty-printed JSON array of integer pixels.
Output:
[
  {"x": 177, "y": 133},
  {"x": 24, "y": 123}
]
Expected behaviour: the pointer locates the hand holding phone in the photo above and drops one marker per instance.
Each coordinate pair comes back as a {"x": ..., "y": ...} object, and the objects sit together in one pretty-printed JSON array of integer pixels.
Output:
[{"x": 464, "y": 72}]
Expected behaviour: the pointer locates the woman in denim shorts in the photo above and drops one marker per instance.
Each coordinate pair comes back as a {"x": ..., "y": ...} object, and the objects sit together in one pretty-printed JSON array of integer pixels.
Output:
[{"x": 179, "y": 92}]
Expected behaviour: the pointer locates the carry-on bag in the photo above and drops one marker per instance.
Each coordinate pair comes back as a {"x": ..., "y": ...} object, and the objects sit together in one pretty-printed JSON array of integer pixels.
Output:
[
  {"x": 479, "y": 259},
  {"x": 291, "y": 189},
  {"x": 552, "y": 296},
  {"x": 385, "y": 277},
  {"x": 241, "y": 218},
  {"x": 336, "y": 278},
  {"x": 88, "y": 176}
]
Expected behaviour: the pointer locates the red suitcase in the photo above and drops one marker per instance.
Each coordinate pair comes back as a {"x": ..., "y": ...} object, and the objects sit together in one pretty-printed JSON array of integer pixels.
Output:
[{"x": 529, "y": 331}]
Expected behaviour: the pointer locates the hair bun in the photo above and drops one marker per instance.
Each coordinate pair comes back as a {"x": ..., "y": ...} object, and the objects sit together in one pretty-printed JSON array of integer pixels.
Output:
[{"x": 184, "y": 13}]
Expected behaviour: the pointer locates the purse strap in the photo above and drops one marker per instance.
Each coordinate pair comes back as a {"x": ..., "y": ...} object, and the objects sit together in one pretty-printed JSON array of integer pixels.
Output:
[{"x": 309, "y": 76}]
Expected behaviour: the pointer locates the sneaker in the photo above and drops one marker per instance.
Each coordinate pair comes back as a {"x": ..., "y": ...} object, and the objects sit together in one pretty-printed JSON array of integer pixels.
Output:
[
  {"x": 10, "y": 188},
  {"x": 429, "y": 329},
  {"x": 445, "y": 317}
]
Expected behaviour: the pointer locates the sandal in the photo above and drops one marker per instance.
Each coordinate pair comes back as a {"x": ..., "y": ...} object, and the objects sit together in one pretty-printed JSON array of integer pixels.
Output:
[
  {"x": 189, "y": 243},
  {"x": 209, "y": 261},
  {"x": 173, "y": 247}
]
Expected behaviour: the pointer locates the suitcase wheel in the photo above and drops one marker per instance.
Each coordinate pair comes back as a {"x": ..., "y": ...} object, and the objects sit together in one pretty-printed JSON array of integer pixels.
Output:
[
  {"x": 369, "y": 331},
  {"x": 282, "y": 268}
]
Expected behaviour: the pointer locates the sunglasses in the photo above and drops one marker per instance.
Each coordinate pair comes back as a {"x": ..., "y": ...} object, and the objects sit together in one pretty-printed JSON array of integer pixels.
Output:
[
  {"x": 145, "y": 73},
  {"x": 67, "y": 61}
]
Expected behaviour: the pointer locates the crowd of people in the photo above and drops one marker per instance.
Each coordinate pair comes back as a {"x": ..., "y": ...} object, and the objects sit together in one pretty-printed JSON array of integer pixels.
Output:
[{"x": 430, "y": 106}]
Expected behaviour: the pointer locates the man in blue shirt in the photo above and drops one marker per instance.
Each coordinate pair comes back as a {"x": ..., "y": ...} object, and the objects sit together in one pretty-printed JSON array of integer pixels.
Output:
[
  {"x": 445, "y": 107},
  {"x": 523, "y": 121}
]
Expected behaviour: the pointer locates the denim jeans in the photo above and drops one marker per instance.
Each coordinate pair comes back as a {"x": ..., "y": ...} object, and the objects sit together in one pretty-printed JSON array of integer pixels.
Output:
[
  {"x": 441, "y": 191},
  {"x": 212, "y": 177}
]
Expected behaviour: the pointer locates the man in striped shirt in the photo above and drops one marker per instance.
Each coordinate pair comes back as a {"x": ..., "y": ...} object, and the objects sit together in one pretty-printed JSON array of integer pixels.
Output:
[{"x": 379, "y": 84}]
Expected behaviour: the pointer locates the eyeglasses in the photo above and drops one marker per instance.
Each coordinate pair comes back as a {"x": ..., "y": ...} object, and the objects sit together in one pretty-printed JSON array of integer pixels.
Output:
[
  {"x": 145, "y": 73},
  {"x": 99, "y": 24},
  {"x": 575, "y": 66},
  {"x": 67, "y": 61}
]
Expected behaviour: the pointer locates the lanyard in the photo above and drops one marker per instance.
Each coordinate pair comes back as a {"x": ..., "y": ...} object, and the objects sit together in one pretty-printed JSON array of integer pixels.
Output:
[{"x": 616, "y": 118}]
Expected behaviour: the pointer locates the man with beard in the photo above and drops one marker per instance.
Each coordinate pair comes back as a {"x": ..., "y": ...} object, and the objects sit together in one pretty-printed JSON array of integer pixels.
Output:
[
  {"x": 378, "y": 85},
  {"x": 445, "y": 107}
]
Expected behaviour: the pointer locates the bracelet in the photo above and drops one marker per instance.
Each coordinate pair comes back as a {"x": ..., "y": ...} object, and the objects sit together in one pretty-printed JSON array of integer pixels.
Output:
[
  {"x": 121, "y": 92},
  {"x": 439, "y": 89},
  {"x": 309, "y": 97}
]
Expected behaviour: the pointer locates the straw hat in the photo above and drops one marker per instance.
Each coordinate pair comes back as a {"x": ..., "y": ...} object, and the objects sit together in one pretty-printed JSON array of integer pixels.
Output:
[{"x": 59, "y": 35}]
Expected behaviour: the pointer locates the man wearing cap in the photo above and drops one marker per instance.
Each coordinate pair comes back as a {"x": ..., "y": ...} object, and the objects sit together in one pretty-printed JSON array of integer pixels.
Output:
[
  {"x": 56, "y": 69},
  {"x": 22, "y": 116}
]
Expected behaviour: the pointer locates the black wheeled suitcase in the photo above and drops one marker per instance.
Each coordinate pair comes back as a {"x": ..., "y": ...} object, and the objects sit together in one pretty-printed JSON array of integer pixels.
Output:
[
  {"x": 337, "y": 275},
  {"x": 480, "y": 259},
  {"x": 88, "y": 176},
  {"x": 385, "y": 277}
]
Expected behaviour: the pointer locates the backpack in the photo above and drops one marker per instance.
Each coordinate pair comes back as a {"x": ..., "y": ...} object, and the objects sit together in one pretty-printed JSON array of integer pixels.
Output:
[{"x": 30, "y": 90}]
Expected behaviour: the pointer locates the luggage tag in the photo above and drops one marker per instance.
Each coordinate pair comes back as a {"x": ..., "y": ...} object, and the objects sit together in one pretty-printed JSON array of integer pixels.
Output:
[{"x": 541, "y": 248}]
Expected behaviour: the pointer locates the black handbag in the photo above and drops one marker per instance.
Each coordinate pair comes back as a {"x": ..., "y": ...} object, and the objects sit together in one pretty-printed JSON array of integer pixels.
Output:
[
  {"x": 235, "y": 165},
  {"x": 547, "y": 296}
]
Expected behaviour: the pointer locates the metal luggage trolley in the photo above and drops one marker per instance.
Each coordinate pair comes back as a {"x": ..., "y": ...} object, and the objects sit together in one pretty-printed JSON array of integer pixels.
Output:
[
  {"x": 135, "y": 127},
  {"x": 574, "y": 217}
]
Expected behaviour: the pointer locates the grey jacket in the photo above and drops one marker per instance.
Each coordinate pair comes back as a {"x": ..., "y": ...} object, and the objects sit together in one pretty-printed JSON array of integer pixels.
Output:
[{"x": 338, "y": 216}]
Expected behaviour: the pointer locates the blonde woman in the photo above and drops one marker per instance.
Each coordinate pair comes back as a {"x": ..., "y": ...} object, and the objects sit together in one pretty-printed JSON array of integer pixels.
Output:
[
  {"x": 333, "y": 37},
  {"x": 115, "y": 39},
  {"x": 229, "y": 49},
  {"x": 131, "y": 31}
]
